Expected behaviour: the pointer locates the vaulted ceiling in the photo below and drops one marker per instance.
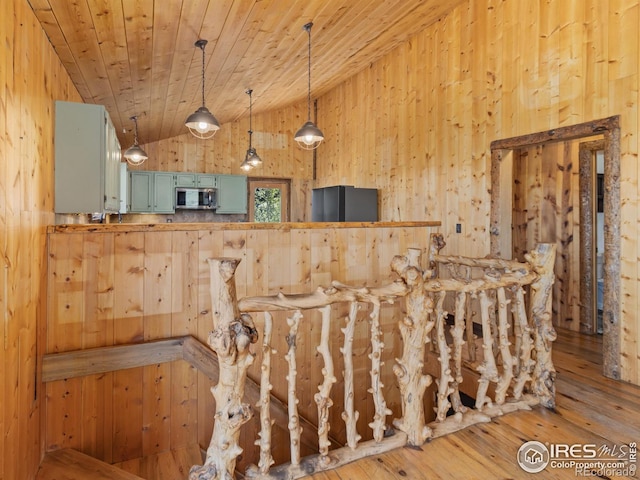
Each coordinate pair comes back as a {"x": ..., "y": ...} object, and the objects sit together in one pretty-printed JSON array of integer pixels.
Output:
[{"x": 137, "y": 57}]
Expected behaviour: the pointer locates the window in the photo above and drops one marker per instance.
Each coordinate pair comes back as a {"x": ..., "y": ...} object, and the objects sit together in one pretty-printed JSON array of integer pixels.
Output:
[{"x": 268, "y": 200}]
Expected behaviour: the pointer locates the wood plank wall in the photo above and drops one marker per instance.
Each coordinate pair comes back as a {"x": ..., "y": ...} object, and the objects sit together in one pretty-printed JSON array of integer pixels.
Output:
[
  {"x": 115, "y": 287},
  {"x": 31, "y": 77},
  {"x": 491, "y": 69},
  {"x": 418, "y": 123}
]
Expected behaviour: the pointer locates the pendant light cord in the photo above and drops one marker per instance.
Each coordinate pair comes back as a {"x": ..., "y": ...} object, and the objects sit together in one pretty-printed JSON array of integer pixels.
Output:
[
  {"x": 135, "y": 131},
  {"x": 201, "y": 43},
  {"x": 249, "y": 92},
  {"x": 202, "y": 48},
  {"x": 307, "y": 27}
]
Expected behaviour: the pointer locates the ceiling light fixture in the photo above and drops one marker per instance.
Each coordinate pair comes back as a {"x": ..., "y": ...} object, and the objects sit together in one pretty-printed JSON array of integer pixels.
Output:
[
  {"x": 134, "y": 154},
  {"x": 309, "y": 136},
  {"x": 252, "y": 159},
  {"x": 201, "y": 123}
]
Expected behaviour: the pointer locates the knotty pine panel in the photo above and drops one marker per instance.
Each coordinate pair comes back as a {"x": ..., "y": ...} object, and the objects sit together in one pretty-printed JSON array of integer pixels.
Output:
[
  {"x": 31, "y": 78},
  {"x": 142, "y": 285},
  {"x": 418, "y": 123}
]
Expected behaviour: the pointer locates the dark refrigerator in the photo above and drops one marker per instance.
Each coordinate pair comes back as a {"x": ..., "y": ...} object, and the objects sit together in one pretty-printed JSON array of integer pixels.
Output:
[{"x": 344, "y": 203}]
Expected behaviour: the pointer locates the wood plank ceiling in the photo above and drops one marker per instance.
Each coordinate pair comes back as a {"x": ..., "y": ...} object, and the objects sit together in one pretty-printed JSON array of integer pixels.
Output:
[{"x": 137, "y": 57}]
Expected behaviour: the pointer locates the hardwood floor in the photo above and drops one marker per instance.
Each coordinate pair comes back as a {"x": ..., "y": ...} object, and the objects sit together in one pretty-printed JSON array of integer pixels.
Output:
[{"x": 591, "y": 409}]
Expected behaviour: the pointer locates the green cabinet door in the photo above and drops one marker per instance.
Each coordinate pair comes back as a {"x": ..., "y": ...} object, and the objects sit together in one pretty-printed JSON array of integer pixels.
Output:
[
  {"x": 232, "y": 194},
  {"x": 185, "y": 179},
  {"x": 206, "y": 181},
  {"x": 140, "y": 192},
  {"x": 151, "y": 192},
  {"x": 163, "y": 192}
]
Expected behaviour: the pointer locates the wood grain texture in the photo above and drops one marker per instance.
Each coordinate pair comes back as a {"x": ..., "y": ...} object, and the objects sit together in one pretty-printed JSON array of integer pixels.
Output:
[
  {"x": 155, "y": 284},
  {"x": 137, "y": 60},
  {"x": 490, "y": 450},
  {"x": 70, "y": 464},
  {"x": 507, "y": 74},
  {"x": 31, "y": 77}
]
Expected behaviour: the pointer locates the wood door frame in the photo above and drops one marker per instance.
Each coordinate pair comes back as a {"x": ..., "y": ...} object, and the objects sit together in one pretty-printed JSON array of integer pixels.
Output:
[
  {"x": 260, "y": 182},
  {"x": 501, "y": 213},
  {"x": 588, "y": 235}
]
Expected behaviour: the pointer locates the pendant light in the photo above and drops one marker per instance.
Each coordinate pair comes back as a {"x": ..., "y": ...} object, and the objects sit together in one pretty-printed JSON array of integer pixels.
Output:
[
  {"x": 309, "y": 136},
  {"x": 201, "y": 123},
  {"x": 251, "y": 159},
  {"x": 134, "y": 154}
]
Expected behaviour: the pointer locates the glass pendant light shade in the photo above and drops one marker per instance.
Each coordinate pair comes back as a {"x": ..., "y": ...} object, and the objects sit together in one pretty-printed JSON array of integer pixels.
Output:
[
  {"x": 309, "y": 136},
  {"x": 253, "y": 158},
  {"x": 202, "y": 123},
  {"x": 134, "y": 154},
  {"x": 245, "y": 165}
]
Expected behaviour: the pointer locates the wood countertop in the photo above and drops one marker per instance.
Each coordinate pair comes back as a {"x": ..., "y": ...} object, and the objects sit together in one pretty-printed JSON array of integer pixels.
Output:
[{"x": 168, "y": 227}]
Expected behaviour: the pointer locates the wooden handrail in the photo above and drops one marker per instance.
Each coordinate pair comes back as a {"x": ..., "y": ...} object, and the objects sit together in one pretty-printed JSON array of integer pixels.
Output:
[
  {"x": 92, "y": 361},
  {"x": 503, "y": 372}
]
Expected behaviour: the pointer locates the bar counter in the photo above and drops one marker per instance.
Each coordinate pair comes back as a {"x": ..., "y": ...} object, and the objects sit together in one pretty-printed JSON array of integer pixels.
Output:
[{"x": 222, "y": 226}]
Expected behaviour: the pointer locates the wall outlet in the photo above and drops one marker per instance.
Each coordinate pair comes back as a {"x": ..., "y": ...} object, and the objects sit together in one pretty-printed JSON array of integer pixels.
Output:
[{"x": 458, "y": 228}]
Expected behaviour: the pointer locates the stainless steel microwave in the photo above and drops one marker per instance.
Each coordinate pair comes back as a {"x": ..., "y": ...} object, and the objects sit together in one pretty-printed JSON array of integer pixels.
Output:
[{"x": 196, "y": 198}]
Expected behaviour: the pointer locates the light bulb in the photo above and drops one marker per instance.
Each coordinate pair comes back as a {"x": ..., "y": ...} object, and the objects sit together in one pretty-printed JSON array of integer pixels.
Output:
[
  {"x": 202, "y": 127},
  {"x": 308, "y": 139}
]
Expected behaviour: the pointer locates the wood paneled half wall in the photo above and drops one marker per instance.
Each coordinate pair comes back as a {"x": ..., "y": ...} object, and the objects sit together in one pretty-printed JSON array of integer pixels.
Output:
[{"x": 122, "y": 284}]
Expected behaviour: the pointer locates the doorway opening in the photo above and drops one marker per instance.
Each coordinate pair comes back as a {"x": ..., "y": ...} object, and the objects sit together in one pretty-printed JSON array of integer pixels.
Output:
[
  {"x": 523, "y": 212},
  {"x": 592, "y": 223},
  {"x": 269, "y": 200}
]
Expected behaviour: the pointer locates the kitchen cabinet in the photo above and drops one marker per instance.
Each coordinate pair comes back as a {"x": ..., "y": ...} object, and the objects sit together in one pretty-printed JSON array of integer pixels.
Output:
[
  {"x": 163, "y": 192},
  {"x": 140, "y": 192},
  {"x": 204, "y": 180},
  {"x": 185, "y": 179},
  {"x": 151, "y": 192},
  {"x": 232, "y": 194},
  {"x": 196, "y": 180},
  {"x": 87, "y": 160}
]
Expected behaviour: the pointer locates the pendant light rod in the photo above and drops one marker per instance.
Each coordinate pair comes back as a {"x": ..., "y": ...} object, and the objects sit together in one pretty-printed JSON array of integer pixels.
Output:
[
  {"x": 249, "y": 92},
  {"x": 309, "y": 136},
  {"x": 201, "y": 43},
  {"x": 307, "y": 28},
  {"x": 135, "y": 129}
]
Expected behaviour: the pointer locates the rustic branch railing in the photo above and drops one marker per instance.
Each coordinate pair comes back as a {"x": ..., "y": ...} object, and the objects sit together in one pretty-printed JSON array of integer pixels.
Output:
[{"x": 521, "y": 376}]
